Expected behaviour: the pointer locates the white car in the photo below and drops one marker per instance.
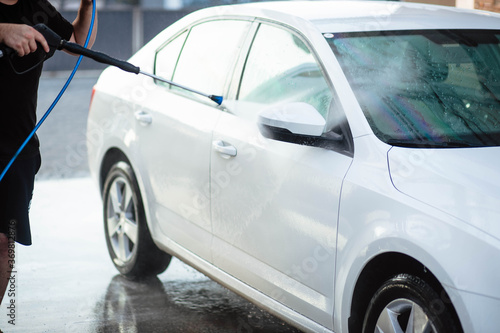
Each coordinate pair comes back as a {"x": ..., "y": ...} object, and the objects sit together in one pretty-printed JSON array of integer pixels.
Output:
[{"x": 348, "y": 182}]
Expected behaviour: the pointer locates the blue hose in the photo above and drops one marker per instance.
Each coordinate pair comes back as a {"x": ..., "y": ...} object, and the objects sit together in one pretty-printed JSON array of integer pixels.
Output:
[{"x": 56, "y": 100}]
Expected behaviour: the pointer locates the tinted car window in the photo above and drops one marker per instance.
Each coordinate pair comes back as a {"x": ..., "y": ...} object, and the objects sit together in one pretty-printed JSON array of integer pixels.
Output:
[
  {"x": 426, "y": 88},
  {"x": 280, "y": 68},
  {"x": 209, "y": 55},
  {"x": 166, "y": 58}
]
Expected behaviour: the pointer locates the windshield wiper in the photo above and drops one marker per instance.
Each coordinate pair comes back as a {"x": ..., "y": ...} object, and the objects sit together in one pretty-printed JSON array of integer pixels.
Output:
[{"x": 430, "y": 144}]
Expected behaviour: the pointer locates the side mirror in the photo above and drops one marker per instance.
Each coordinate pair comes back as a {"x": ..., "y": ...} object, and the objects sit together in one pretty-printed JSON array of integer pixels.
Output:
[
  {"x": 299, "y": 123},
  {"x": 297, "y": 118}
]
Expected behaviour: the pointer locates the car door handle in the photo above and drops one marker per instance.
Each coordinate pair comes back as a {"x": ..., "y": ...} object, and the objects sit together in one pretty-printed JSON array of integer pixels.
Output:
[
  {"x": 143, "y": 118},
  {"x": 223, "y": 148}
]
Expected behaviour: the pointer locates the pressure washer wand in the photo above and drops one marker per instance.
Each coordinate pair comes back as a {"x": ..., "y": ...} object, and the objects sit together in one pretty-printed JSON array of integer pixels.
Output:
[
  {"x": 56, "y": 42},
  {"x": 126, "y": 66}
]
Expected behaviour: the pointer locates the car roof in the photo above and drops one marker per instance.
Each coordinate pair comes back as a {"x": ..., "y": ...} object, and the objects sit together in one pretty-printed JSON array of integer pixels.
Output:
[{"x": 347, "y": 16}]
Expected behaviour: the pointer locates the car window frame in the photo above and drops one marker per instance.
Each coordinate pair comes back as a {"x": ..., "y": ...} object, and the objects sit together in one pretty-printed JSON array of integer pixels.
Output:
[
  {"x": 237, "y": 77},
  {"x": 160, "y": 48},
  {"x": 227, "y": 81}
]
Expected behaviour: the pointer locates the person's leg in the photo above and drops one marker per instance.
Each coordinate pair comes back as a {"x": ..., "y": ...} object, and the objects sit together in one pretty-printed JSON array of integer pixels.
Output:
[
  {"x": 4, "y": 265},
  {"x": 16, "y": 190},
  {"x": 4, "y": 241}
]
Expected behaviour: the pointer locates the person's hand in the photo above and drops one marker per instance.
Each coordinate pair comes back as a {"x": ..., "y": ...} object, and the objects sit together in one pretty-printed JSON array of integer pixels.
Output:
[{"x": 22, "y": 38}]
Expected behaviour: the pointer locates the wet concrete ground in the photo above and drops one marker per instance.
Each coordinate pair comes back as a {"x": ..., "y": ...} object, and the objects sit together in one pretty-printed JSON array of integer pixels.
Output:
[{"x": 65, "y": 281}]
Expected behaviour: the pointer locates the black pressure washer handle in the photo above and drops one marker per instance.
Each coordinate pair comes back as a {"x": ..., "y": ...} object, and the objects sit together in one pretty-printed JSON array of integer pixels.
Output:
[
  {"x": 55, "y": 42},
  {"x": 99, "y": 56}
]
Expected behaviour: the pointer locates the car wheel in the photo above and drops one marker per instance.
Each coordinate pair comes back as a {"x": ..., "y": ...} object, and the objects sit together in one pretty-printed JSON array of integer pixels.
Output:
[
  {"x": 406, "y": 303},
  {"x": 129, "y": 241}
]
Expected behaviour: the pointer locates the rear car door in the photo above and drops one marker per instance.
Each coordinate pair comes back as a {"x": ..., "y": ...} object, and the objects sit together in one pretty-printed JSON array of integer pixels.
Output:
[
  {"x": 275, "y": 204},
  {"x": 175, "y": 131}
]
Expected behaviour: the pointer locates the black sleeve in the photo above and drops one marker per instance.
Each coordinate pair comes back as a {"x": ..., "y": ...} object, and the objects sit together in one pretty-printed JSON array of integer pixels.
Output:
[{"x": 55, "y": 21}]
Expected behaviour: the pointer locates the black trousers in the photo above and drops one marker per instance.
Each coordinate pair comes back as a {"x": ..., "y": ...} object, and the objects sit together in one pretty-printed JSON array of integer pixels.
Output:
[{"x": 16, "y": 191}]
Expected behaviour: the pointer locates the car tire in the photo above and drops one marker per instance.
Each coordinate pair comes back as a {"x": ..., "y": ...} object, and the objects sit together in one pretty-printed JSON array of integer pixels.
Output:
[
  {"x": 406, "y": 303},
  {"x": 128, "y": 239}
]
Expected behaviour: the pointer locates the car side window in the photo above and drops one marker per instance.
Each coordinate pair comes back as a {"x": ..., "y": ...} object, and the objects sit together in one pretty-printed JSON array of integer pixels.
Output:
[
  {"x": 280, "y": 68},
  {"x": 209, "y": 54},
  {"x": 166, "y": 57}
]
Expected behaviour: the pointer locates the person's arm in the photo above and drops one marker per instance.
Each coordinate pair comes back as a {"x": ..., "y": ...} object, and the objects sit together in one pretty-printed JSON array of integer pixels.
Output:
[
  {"x": 22, "y": 38},
  {"x": 81, "y": 24}
]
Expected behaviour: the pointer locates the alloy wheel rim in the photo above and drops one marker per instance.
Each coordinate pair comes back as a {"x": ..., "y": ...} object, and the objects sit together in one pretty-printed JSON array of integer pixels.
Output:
[
  {"x": 122, "y": 219},
  {"x": 403, "y": 316}
]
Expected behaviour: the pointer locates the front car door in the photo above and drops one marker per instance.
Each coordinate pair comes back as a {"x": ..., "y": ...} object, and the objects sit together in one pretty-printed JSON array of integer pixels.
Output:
[{"x": 275, "y": 204}]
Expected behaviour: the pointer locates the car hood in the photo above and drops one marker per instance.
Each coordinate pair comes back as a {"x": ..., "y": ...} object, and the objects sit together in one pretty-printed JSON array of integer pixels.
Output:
[{"x": 463, "y": 182}]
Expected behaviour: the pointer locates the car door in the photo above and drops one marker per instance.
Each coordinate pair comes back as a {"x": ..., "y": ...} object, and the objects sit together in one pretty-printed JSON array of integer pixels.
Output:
[
  {"x": 275, "y": 204},
  {"x": 176, "y": 125}
]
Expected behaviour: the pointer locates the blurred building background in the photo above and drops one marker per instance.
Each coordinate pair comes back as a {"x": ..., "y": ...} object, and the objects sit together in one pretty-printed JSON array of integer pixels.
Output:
[
  {"x": 126, "y": 25},
  {"x": 193, "y": 4},
  {"x": 492, "y": 5}
]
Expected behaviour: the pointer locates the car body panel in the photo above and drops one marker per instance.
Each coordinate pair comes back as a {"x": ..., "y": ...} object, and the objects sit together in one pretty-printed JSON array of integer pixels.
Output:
[
  {"x": 177, "y": 175},
  {"x": 469, "y": 177},
  {"x": 276, "y": 203},
  {"x": 481, "y": 309},
  {"x": 351, "y": 16},
  {"x": 375, "y": 218}
]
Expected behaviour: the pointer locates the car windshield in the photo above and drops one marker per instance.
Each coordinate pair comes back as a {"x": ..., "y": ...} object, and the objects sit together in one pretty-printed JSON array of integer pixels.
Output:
[{"x": 426, "y": 88}]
